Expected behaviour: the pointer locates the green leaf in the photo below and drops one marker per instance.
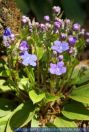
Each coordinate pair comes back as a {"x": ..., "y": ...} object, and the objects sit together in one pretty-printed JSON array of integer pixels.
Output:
[
  {"x": 36, "y": 97},
  {"x": 23, "y": 83},
  {"x": 2, "y": 82},
  {"x": 2, "y": 128},
  {"x": 63, "y": 122},
  {"x": 4, "y": 71},
  {"x": 21, "y": 116},
  {"x": 75, "y": 111},
  {"x": 81, "y": 94},
  {"x": 30, "y": 74},
  {"x": 34, "y": 123},
  {"x": 6, "y": 106},
  {"x": 40, "y": 52},
  {"x": 2, "y": 64},
  {"x": 3, "y": 122},
  {"x": 80, "y": 76},
  {"x": 3, "y": 86},
  {"x": 50, "y": 98}
]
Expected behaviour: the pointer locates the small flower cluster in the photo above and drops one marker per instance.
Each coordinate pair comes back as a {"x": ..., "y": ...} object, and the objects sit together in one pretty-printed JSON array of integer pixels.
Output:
[
  {"x": 59, "y": 46},
  {"x": 57, "y": 69},
  {"x": 8, "y": 37},
  {"x": 27, "y": 59},
  {"x": 63, "y": 36}
]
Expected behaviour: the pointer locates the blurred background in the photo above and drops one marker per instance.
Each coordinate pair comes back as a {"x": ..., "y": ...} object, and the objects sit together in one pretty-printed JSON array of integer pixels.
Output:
[{"x": 77, "y": 10}]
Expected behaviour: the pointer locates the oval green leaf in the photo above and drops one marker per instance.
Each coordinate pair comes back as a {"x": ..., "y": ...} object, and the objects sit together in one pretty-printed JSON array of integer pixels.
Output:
[
  {"x": 80, "y": 94},
  {"x": 20, "y": 116},
  {"x": 36, "y": 97},
  {"x": 63, "y": 122},
  {"x": 6, "y": 106},
  {"x": 75, "y": 111}
]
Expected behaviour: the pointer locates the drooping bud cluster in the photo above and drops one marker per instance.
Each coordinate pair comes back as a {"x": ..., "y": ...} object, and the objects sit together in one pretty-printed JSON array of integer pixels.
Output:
[{"x": 8, "y": 37}]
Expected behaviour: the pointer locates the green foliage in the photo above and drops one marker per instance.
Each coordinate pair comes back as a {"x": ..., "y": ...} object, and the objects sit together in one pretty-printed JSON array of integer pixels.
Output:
[
  {"x": 50, "y": 98},
  {"x": 63, "y": 122},
  {"x": 81, "y": 94},
  {"x": 80, "y": 76},
  {"x": 75, "y": 111},
  {"x": 21, "y": 116},
  {"x": 6, "y": 106},
  {"x": 34, "y": 123},
  {"x": 40, "y": 52},
  {"x": 42, "y": 95},
  {"x": 36, "y": 97}
]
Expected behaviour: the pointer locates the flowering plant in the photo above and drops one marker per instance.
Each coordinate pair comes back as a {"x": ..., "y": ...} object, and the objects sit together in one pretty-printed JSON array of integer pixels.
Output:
[{"x": 47, "y": 88}]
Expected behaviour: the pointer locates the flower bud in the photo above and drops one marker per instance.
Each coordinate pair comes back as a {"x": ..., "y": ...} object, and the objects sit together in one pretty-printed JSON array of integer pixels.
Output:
[
  {"x": 56, "y": 9},
  {"x": 63, "y": 36},
  {"x": 76, "y": 27},
  {"x": 60, "y": 57},
  {"x": 47, "y": 18},
  {"x": 72, "y": 40}
]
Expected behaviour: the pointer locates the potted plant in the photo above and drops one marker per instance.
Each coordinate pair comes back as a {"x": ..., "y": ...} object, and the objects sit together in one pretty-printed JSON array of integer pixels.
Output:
[{"x": 41, "y": 83}]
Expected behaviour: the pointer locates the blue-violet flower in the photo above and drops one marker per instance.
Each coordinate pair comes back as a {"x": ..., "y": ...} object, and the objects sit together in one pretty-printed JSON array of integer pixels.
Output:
[
  {"x": 28, "y": 59},
  {"x": 23, "y": 46},
  {"x": 57, "y": 69},
  {"x": 8, "y": 37},
  {"x": 60, "y": 46}
]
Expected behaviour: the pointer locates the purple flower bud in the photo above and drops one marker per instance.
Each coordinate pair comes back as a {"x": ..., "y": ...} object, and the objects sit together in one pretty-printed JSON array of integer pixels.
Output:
[
  {"x": 55, "y": 52},
  {"x": 8, "y": 37},
  {"x": 73, "y": 51},
  {"x": 37, "y": 24},
  {"x": 25, "y": 19},
  {"x": 87, "y": 40},
  {"x": 48, "y": 25},
  {"x": 72, "y": 40},
  {"x": 87, "y": 34},
  {"x": 82, "y": 32},
  {"x": 56, "y": 9},
  {"x": 60, "y": 57},
  {"x": 12, "y": 36},
  {"x": 67, "y": 21},
  {"x": 6, "y": 43},
  {"x": 47, "y": 18},
  {"x": 7, "y": 32},
  {"x": 42, "y": 27},
  {"x": 57, "y": 25},
  {"x": 63, "y": 36},
  {"x": 59, "y": 20},
  {"x": 23, "y": 46},
  {"x": 76, "y": 27}
]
